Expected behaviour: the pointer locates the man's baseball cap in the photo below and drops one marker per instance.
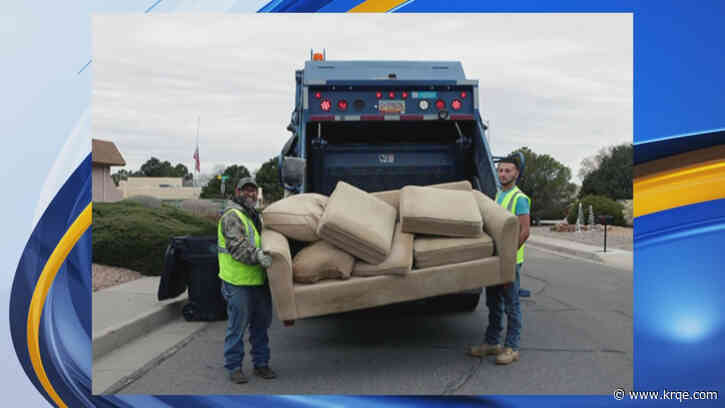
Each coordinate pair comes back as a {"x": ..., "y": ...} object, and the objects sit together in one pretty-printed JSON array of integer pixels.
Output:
[{"x": 246, "y": 180}]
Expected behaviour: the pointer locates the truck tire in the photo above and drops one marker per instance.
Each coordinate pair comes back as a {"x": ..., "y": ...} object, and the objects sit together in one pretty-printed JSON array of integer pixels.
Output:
[
  {"x": 460, "y": 302},
  {"x": 467, "y": 302}
]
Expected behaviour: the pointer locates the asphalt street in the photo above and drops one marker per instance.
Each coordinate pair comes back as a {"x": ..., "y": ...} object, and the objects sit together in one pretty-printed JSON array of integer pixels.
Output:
[{"x": 576, "y": 339}]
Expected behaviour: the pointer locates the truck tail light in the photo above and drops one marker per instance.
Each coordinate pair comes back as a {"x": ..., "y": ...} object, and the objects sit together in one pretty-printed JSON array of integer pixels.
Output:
[
  {"x": 325, "y": 105},
  {"x": 391, "y": 95},
  {"x": 440, "y": 104},
  {"x": 318, "y": 95},
  {"x": 342, "y": 105},
  {"x": 379, "y": 95},
  {"x": 463, "y": 94},
  {"x": 456, "y": 104},
  {"x": 404, "y": 95}
]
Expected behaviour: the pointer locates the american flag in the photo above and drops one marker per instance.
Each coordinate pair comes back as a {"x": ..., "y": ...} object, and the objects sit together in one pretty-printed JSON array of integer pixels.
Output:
[{"x": 196, "y": 158}]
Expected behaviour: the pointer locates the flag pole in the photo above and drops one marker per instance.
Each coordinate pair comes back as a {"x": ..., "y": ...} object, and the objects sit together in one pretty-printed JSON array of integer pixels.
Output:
[{"x": 198, "y": 123}]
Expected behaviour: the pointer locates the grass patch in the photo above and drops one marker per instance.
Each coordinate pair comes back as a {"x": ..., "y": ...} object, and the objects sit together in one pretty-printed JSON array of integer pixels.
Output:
[{"x": 131, "y": 235}]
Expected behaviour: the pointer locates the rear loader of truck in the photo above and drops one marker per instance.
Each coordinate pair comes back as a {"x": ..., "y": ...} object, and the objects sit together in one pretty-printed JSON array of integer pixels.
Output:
[{"x": 382, "y": 125}]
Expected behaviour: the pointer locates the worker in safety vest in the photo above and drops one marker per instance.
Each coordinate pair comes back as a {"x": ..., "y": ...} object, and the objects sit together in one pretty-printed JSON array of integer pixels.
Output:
[
  {"x": 505, "y": 298},
  {"x": 242, "y": 265}
]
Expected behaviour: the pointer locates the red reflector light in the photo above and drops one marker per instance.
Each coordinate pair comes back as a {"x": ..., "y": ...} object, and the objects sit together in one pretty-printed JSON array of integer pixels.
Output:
[
  {"x": 463, "y": 94},
  {"x": 379, "y": 95},
  {"x": 461, "y": 117},
  {"x": 411, "y": 117},
  {"x": 391, "y": 95},
  {"x": 456, "y": 104},
  {"x": 325, "y": 105},
  {"x": 342, "y": 104},
  {"x": 318, "y": 95},
  {"x": 372, "y": 117},
  {"x": 440, "y": 105},
  {"x": 404, "y": 95},
  {"x": 320, "y": 118}
]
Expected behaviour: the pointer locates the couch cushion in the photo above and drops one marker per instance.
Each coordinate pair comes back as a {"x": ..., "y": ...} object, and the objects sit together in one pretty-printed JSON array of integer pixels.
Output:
[
  {"x": 296, "y": 216},
  {"x": 399, "y": 262},
  {"x": 321, "y": 261},
  {"x": 435, "y": 251},
  {"x": 434, "y": 211},
  {"x": 392, "y": 197},
  {"x": 358, "y": 223}
]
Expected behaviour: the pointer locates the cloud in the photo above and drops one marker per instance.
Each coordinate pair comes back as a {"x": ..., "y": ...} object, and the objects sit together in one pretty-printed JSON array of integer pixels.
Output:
[{"x": 560, "y": 84}]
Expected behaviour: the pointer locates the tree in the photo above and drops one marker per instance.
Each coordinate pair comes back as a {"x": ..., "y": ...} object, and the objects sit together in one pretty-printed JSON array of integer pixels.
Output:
[
  {"x": 268, "y": 179},
  {"x": 156, "y": 168},
  {"x": 613, "y": 176},
  {"x": 548, "y": 183},
  {"x": 213, "y": 188},
  {"x": 591, "y": 163},
  {"x": 122, "y": 174}
]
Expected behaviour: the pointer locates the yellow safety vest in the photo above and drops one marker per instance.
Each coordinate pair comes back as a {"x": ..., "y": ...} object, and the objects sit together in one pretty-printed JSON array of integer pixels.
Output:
[
  {"x": 233, "y": 271},
  {"x": 509, "y": 203}
]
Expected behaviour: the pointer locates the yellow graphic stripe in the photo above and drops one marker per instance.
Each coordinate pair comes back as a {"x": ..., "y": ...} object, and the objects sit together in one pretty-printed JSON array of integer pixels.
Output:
[
  {"x": 61, "y": 251},
  {"x": 676, "y": 188},
  {"x": 376, "y": 6}
]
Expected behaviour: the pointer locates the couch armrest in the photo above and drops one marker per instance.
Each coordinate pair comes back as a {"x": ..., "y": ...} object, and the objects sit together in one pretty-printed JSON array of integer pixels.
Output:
[
  {"x": 280, "y": 274},
  {"x": 503, "y": 227}
]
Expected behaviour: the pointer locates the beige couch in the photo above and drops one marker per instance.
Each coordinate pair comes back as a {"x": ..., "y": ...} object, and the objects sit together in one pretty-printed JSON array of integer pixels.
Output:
[{"x": 296, "y": 301}]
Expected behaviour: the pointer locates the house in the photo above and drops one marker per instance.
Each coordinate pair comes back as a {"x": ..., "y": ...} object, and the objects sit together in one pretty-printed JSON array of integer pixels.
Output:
[{"x": 104, "y": 154}]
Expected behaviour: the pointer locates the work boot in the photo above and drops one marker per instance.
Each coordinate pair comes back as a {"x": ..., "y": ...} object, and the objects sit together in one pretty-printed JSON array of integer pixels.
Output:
[
  {"x": 265, "y": 372},
  {"x": 507, "y": 356},
  {"x": 484, "y": 350},
  {"x": 238, "y": 377}
]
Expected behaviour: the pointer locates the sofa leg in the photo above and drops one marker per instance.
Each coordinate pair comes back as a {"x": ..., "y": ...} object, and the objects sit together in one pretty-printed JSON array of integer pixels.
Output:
[{"x": 288, "y": 323}]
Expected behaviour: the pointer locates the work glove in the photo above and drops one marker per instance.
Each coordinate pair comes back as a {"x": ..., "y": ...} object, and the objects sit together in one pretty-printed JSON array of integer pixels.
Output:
[{"x": 263, "y": 258}]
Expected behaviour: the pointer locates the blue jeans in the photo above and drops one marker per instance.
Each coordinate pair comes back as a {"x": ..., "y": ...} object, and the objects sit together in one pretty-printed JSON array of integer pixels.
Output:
[
  {"x": 500, "y": 299},
  {"x": 247, "y": 306}
]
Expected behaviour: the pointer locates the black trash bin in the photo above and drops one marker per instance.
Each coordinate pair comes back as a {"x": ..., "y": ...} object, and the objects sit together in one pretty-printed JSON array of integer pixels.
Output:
[{"x": 192, "y": 262}]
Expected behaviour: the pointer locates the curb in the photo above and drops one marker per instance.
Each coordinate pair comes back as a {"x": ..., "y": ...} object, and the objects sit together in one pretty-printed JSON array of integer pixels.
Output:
[
  {"x": 116, "y": 336},
  {"x": 125, "y": 381},
  {"x": 559, "y": 248}
]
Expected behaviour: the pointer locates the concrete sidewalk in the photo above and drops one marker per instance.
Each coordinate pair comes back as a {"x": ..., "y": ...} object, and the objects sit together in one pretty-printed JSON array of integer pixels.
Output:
[
  {"x": 617, "y": 258},
  {"x": 132, "y": 331}
]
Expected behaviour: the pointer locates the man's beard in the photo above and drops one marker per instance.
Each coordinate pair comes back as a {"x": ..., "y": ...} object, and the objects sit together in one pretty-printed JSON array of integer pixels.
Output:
[{"x": 249, "y": 201}]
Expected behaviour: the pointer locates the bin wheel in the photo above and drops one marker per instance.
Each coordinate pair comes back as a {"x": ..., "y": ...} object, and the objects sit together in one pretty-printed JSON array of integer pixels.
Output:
[{"x": 189, "y": 312}]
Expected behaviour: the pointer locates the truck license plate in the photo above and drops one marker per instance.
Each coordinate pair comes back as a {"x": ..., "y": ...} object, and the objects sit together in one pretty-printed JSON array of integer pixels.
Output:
[
  {"x": 386, "y": 158},
  {"x": 391, "y": 106}
]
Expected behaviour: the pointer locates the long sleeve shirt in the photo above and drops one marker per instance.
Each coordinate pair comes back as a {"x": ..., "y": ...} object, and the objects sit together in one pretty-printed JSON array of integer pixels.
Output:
[{"x": 239, "y": 242}]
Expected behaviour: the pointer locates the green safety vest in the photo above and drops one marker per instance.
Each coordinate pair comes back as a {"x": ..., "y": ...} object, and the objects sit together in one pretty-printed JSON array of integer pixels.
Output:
[
  {"x": 233, "y": 271},
  {"x": 509, "y": 203}
]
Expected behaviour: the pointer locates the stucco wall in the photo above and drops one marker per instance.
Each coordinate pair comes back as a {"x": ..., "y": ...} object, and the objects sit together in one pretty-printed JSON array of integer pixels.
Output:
[
  {"x": 102, "y": 185},
  {"x": 151, "y": 186}
]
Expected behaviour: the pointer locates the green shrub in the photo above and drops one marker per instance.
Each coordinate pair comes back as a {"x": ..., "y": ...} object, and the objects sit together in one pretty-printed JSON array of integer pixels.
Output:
[
  {"x": 203, "y": 208},
  {"x": 600, "y": 205},
  {"x": 131, "y": 235},
  {"x": 148, "y": 201}
]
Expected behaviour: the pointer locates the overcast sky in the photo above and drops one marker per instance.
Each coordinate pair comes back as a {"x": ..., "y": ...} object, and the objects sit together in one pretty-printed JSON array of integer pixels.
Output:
[{"x": 560, "y": 84}]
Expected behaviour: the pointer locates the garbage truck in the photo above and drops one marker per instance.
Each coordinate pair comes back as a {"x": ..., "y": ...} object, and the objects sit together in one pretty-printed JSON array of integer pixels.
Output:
[{"x": 383, "y": 125}]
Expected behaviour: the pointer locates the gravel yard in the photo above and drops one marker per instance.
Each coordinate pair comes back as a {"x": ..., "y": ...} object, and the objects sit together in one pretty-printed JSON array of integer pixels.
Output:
[
  {"x": 105, "y": 276},
  {"x": 617, "y": 237}
]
